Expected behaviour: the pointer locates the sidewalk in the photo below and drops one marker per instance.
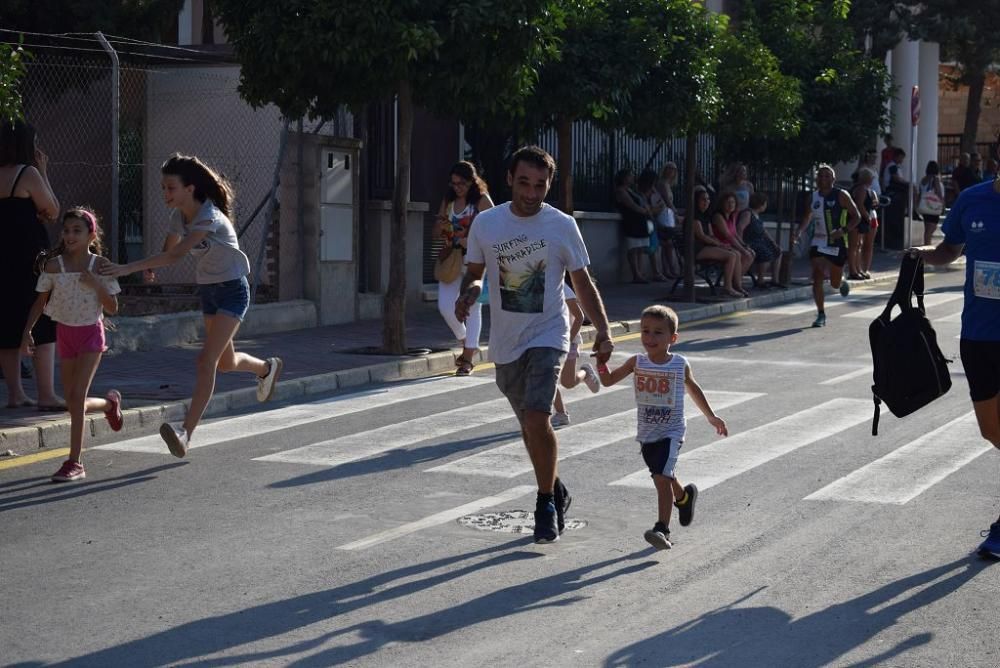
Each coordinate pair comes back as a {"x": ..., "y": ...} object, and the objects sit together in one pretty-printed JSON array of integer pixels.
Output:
[{"x": 320, "y": 360}]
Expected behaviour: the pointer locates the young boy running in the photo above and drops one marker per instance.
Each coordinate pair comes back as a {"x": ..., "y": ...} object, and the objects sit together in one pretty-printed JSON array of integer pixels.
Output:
[{"x": 660, "y": 380}]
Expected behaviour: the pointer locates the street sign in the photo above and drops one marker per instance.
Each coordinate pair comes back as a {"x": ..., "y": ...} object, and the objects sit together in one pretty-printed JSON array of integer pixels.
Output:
[{"x": 915, "y": 106}]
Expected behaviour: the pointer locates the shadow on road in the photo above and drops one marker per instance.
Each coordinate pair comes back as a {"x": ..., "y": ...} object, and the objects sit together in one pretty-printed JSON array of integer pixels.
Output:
[
  {"x": 701, "y": 345},
  {"x": 193, "y": 643},
  {"x": 768, "y": 636},
  {"x": 399, "y": 458},
  {"x": 50, "y": 492}
]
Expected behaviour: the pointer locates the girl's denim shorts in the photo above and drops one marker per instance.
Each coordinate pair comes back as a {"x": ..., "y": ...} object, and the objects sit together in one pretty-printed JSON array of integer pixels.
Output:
[{"x": 230, "y": 298}]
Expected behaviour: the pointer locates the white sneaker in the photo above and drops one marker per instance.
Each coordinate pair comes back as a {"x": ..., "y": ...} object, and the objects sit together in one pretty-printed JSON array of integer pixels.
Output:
[
  {"x": 176, "y": 437},
  {"x": 559, "y": 420},
  {"x": 265, "y": 385},
  {"x": 590, "y": 378}
]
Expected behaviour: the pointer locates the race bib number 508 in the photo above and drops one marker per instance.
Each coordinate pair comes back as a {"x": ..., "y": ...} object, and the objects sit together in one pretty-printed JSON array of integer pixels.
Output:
[{"x": 655, "y": 388}]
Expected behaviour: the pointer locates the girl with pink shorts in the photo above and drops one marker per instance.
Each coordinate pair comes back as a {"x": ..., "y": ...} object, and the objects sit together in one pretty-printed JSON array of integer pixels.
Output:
[{"x": 76, "y": 298}]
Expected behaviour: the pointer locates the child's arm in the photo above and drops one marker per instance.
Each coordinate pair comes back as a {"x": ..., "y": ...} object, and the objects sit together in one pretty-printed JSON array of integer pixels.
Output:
[
  {"x": 699, "y": 399},
  {"x": 575, "y": 317},
  {"x": 609, "y": 378},
  {"x": 27, "y": 342}
]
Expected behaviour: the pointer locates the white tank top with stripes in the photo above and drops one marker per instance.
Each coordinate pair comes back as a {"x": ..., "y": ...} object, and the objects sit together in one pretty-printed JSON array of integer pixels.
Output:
[{"x": 659, "y": 398}]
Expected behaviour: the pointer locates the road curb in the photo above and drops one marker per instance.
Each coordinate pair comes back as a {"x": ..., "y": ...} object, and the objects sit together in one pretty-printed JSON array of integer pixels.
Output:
[{"x": 146, "y": 420}]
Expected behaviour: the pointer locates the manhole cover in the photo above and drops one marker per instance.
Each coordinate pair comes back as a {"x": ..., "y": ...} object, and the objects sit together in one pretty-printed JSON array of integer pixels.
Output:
[{"x": 510, "y": 521}]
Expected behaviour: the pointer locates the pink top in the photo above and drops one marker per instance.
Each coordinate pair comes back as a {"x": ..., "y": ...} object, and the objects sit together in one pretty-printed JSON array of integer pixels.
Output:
[{"x": 730, "y": 227}]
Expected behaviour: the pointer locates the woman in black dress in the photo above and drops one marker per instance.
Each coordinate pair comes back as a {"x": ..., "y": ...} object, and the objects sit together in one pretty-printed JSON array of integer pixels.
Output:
[{"x": 26, "y": 198}]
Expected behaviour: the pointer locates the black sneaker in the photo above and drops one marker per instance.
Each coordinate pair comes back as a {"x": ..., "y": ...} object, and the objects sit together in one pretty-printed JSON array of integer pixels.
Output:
[
  {"x": 658, "y": 537},
  {"x": 685, "y": 511},
  {"x": 562, "y": 499},
  {"x": 546, "y": 528}
]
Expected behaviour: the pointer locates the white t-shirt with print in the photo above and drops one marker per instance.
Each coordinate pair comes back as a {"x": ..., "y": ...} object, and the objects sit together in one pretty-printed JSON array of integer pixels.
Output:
[{"x": 526, "y": 262}]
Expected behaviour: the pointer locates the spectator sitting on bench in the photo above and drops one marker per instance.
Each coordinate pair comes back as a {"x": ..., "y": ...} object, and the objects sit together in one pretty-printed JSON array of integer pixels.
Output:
[
  {"x": 766, "y": 249},
  {"x": 724, "y": 229},
  {"x": 708, "y": 249}
]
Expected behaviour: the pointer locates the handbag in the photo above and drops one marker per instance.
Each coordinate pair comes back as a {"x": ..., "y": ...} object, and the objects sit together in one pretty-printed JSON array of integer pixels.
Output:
[
  {"x": 930, "y": 203},
  {"x": 448, "y": 266}
]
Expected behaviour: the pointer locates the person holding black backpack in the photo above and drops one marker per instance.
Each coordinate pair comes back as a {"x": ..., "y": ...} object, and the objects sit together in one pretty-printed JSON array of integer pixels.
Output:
[{"x": 973, "y": 224}]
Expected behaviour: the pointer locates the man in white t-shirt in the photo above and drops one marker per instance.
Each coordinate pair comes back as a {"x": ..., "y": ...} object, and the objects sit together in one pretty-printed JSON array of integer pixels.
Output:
[{"x": 527, "y": 246}]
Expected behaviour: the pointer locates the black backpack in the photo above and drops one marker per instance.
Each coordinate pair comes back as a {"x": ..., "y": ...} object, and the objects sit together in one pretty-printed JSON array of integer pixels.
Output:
[{"x": 909, "y": 369}]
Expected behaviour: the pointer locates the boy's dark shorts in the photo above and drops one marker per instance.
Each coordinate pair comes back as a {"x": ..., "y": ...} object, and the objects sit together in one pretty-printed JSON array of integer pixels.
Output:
[
  {"x": 661, "y": 456},
  {"x": 529, "y": 382},
  {"x": 981, "y": 360}
]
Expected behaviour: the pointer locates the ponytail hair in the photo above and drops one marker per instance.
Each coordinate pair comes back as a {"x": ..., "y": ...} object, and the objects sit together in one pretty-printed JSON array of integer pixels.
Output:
[
  {"x": 93, "y": 223},
  {"x": 208, "y": 184}
]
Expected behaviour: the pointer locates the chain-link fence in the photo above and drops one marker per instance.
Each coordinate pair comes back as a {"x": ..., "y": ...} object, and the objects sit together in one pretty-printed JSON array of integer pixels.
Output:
[{"x": 106, "y": 143}]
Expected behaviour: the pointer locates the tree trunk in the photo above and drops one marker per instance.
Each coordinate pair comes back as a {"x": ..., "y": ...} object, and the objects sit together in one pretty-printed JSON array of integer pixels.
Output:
[
  {"x": 690, "y": 167},
  {"x": 564, "y": 134},
  {"x": 976, "y": 78},
  {"x": 394, "y": 311},
  {"x": 786, "y": 266}
]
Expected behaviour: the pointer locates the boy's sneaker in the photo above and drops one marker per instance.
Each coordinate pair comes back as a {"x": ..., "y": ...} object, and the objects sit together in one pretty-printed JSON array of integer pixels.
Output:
[
  {"x": 546, "y": 527},
  {"x": 686, "y": 509},
  {"x": 114, "y": 413},
  {"x": 845, "y": 288},
  {"x": 70, "y": 471},
  {"x": 562, "y": 499},
  {"x": 265, "y": 385},
  {"x": 991, "y": 546},
  {"x": 659, "y": 537},
  {"x": 590, "y": 378},
  {"x": 559, "y": 420},
  {"x": 176, "y": 438},
  {"x": 820, "y": 320}
]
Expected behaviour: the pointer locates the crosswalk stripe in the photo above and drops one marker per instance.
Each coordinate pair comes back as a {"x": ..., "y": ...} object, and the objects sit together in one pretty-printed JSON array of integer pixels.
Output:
[
  {"x": 726, "y": 458},
  {"x": 255, "y": 424},
  {"x": 951, "y": 317},
  {"x": 907, "y": 472},
  {"x": 510, "y": 459},
  {"x": 930, "y": 301},
  {"x": 800, "y": 307},
  {"x": 440, "y": 518},
  {"x": 847, "y": 376},
  {"x": 344, "y": 449}
]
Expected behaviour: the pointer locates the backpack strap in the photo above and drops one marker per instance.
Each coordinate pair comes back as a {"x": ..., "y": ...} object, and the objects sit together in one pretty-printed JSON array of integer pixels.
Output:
[{"x": 909, "y": 282}]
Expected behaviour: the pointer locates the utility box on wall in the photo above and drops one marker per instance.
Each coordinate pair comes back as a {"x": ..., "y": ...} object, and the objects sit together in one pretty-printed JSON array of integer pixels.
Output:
[
  {"x": 319, "y": 225},
  {"x": 337, "y": 242}
]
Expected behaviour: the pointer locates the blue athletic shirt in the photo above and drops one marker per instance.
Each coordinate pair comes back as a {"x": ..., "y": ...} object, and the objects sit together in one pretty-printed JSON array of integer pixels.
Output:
[{"x": 974, "y": 220}]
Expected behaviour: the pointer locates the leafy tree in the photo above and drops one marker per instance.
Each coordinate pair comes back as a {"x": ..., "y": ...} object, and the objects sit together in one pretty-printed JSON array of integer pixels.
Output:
[
  {"x": 475, "y": 57},
  {"x": 969, "y": 33},
  {"x": 844, "y": 93},
  {"x": 605, "y": 50},
  {"x": 139, "y": 19},
  {"x": 11, "y": 73}
]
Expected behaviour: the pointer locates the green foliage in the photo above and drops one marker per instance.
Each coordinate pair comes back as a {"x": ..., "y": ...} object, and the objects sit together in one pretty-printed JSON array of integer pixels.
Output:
[
  {"x": 680, "y": 93},
  {"x": 968, "y": 32},
  {"x": 11, "y": 73},
  {"x": 844, "y": 93},
  {"x": 466, "y": 59}
]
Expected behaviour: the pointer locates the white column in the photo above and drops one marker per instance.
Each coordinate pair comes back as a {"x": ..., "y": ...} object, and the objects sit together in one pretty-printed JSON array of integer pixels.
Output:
[
  {"x": 927, "y": 132},
  {"x": 184, "y": 33},
  {"x": 905, "y": 60}
]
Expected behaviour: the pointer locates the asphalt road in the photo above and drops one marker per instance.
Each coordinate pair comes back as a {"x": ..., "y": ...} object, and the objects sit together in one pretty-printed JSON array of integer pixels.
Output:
[{"x": 377, "y": 528}]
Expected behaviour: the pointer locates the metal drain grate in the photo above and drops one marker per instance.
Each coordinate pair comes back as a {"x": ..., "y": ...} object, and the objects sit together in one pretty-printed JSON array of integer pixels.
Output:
[{"x": 511, "y": 521}]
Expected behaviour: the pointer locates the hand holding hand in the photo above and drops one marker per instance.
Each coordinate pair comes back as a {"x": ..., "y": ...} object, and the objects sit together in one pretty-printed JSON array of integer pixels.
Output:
[
  {"x": 149, "y": 276},
  {"x": 603, "y": 347}
]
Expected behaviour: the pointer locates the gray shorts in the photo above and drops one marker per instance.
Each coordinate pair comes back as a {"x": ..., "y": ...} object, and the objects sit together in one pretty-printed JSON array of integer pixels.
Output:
[{"x": 529, "y": 382}]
